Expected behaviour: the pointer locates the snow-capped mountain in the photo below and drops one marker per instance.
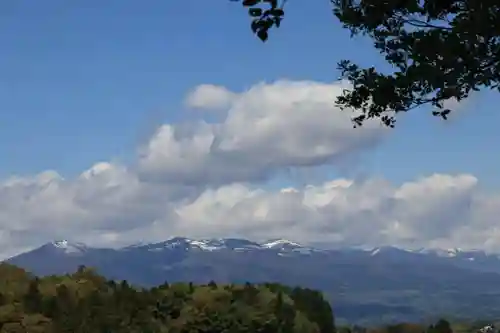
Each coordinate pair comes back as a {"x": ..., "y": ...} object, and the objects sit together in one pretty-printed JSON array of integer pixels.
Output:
[
  {"x": 389, "y": 275},
  {"x": 279, "y": 245}
]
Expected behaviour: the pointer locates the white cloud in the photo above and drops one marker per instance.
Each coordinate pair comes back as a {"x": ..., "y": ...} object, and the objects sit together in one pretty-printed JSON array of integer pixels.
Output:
[
  {"x": 108, "y": 205},
  {"x": 210, "y": 97},
  {"x": 196, "y": 180},
  {"x": 267, "y": 128}
]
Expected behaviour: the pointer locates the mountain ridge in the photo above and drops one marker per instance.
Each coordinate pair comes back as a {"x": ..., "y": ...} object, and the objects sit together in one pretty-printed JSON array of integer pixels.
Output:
[
  {"x": 364, "y": 285},
  {"x": 213, "y": 244}
]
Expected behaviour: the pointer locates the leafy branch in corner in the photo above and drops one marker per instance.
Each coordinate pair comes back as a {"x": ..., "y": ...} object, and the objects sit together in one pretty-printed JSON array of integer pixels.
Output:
[{"x": 439, "y": 51}]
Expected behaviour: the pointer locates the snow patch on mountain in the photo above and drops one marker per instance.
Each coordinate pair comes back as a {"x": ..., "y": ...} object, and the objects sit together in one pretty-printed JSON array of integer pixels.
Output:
[
  {"x": 453, "y": 252},
  {"x": 207, "y": 244},
  {"x": 280, "y": 243},
  {"x": 386, "y": 249},
  {"x": 286, "y": 246},
  {"x": 69, "y": 247},
  {"x": 449, "y": 253}
]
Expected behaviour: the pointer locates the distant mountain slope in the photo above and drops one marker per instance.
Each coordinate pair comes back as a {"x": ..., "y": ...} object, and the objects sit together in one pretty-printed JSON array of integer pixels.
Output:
[{"x": 364, "y": 286}]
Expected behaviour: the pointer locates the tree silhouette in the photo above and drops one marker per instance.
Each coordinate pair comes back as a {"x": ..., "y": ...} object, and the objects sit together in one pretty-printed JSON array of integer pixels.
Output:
[{"x": 440, "y": 51}]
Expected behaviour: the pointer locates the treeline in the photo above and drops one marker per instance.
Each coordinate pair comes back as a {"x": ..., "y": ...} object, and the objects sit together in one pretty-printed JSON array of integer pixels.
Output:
[
  {"x": 87, "y": 302},
  {"x": 441, "y": 326}
]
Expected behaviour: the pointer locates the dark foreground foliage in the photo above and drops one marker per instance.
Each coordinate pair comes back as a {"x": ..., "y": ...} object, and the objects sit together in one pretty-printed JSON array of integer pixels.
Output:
[
  {"x": 440, "y": 51},
  {"x": 87, "y": 302}
]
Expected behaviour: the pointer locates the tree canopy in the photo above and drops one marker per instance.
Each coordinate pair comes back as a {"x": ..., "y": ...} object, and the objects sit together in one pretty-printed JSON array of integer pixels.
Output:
[
  {"x": 86, "y": 302},
  {"x": 441, "y": 50}
]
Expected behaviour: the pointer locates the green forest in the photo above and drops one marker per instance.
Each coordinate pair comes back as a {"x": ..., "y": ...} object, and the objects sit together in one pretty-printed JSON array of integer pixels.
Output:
[{"x": 87, "y": 302}]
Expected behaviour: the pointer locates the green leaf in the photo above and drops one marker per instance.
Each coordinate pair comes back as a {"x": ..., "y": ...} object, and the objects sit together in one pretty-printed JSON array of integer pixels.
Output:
[
  {"x": 255, "y": 12},
  {"x": 262, "y": 34},
  {"x": 277, "y": 21},
  {"x": 250, "y": 3},
  {"x": 256, "y": 24},
  {"x": 277, "y": 12}
]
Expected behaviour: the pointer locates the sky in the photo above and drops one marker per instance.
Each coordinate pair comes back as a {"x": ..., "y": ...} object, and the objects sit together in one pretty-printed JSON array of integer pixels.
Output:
[{"x": 122, "y": 122}]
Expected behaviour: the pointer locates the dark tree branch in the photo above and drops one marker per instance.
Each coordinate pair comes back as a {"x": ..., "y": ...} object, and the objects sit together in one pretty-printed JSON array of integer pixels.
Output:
[{"x": 433, "y": 62}]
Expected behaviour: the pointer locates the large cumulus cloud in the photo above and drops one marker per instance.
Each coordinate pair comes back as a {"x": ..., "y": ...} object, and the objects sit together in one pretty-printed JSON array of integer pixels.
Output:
[
  {"x": 198, "y": 180},
  {"x": 264, "y": 130},
  {"x": 110, "y": 207}
]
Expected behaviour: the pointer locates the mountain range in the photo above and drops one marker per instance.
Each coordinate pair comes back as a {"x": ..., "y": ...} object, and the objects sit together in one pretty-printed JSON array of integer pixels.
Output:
[{"x": 364, "y": 286}]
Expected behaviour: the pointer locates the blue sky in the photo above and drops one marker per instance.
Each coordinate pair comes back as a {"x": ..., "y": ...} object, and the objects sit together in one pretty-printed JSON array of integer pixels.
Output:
[
  {"x": 85, "y": 81},
  {"x": 88, "y": 81}
]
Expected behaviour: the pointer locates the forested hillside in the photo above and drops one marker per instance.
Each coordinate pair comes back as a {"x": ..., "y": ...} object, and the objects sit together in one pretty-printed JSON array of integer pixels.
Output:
[
  {"x": 382, "y": 286},
  {"x": 86, "y": 302}
]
